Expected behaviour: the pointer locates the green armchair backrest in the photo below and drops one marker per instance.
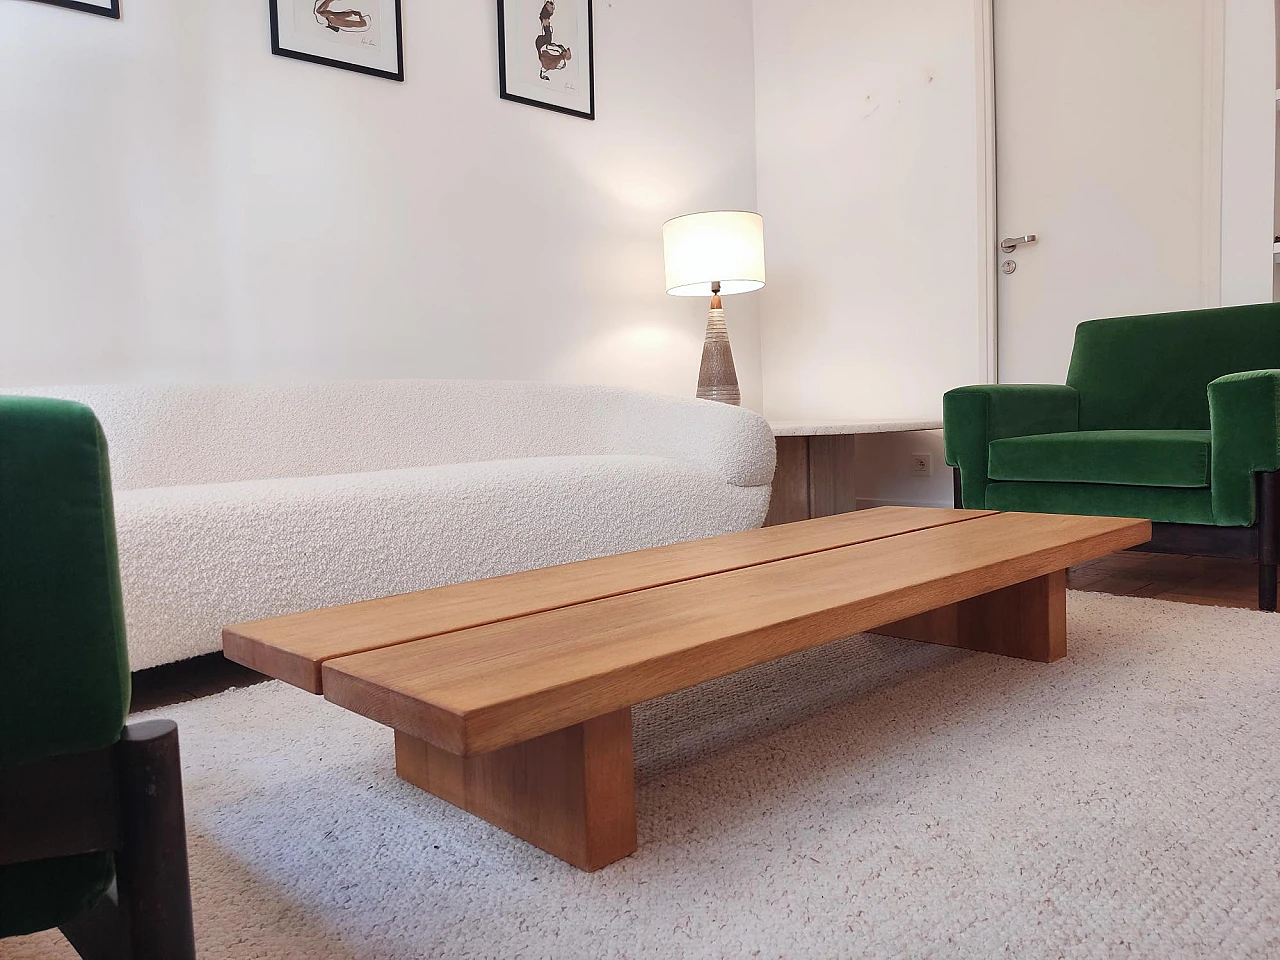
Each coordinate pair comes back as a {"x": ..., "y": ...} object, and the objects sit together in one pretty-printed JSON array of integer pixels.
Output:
[
  {"x": 64, "y": 672},
  {"x": 1153, "y": 372}
]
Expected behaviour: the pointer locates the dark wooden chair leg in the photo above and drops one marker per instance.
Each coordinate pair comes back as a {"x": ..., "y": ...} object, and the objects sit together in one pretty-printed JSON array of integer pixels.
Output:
[
  {"x": 1267, "y": 573},
  {"x": 957, "y": 493},
  {"x": 1268, "y": 539},
  {"x": 152, "y": 878}
]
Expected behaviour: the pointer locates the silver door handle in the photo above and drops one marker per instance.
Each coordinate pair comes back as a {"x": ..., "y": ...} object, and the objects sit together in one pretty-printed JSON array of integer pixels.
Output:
[{"x": 1011, "y": 244}]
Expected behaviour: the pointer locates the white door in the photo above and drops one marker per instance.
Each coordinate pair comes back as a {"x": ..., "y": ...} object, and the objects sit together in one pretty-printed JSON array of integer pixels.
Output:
[{"x": 1105, "y": 140}]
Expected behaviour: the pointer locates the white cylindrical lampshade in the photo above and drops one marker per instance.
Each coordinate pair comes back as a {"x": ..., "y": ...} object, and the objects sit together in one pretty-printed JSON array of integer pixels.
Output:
[{"x": 703, "y": 248}]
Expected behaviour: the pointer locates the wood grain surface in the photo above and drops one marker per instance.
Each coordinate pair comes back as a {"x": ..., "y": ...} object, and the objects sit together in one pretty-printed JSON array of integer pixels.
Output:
[
  {"x": 570, "y": 792},
  {"x": 485, "y": 688},
  {"x": 292, "y": 648},
  {"x": 789, "y": 500},
  {"x": 831, "y": 473},
  {"x": 1027, "y": 620}
]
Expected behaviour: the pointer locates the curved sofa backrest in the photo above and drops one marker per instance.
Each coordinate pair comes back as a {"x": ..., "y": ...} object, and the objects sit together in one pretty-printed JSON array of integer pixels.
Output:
[
  {"x": 1153, "y": 372},
  {"x": 216, "y": 433}
]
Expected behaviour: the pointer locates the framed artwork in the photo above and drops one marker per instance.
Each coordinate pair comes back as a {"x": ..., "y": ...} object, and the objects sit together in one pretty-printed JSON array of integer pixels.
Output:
[
  {"x": 103, "y": 8},
  {"x": 546, "y": 55},
  {"x": 360, "y": 35}
]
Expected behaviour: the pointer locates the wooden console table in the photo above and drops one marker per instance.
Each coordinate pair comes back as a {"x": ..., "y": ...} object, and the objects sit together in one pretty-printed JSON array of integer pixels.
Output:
[{"x": 814, "y": 477}]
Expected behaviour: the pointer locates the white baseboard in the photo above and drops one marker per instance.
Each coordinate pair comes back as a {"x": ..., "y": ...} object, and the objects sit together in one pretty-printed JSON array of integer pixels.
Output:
[{"x": 865, "y": 503}]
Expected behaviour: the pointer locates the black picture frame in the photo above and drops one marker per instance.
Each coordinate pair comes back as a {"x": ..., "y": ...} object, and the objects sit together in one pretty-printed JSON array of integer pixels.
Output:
[
  {"x": 505, "y": 94},
  {"x": 112, "y": 12},
  {"x": 281, "y": 51}
]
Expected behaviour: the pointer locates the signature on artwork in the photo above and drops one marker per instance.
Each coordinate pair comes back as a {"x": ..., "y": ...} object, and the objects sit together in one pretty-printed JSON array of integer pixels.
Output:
[{"x": 341, "y": 21}]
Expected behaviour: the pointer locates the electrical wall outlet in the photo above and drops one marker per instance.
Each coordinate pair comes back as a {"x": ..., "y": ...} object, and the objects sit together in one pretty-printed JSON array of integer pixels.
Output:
[{"x": 922, "y": 465}]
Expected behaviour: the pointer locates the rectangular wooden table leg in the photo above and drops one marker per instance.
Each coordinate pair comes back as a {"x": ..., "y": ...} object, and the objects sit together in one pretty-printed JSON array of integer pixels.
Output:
[
  {"x": 814, "y": 478},
  {"x": 789, "y": 501},
  {"x": 831, "y": 472},
  {"x": 571, "y": 792},
  {"x": 1027, "y": 620}
]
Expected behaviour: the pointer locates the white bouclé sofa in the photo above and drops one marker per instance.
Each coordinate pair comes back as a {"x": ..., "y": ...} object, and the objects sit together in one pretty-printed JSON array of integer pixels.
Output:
[{"x": 237, "y": 502}]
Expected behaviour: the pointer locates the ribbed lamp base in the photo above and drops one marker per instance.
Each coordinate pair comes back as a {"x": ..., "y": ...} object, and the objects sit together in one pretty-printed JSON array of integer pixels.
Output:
[{"x": 718, "y": 380}]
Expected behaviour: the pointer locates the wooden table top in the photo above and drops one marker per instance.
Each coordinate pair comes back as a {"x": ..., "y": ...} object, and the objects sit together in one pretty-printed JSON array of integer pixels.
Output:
[
  {"x": 475, "y": 667},
  {"x": 292, "y": 648}
]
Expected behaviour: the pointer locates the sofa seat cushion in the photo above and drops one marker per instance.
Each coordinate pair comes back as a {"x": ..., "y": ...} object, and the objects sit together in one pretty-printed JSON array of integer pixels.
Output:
[
  {"x": 1140, "y": 458},
  {"x": 195, "y": 558}
]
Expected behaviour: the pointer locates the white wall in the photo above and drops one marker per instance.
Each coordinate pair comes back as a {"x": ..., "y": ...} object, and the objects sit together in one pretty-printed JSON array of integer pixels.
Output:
[
  {"x": 177, "y": 203},
  {"x": 882, "y": 471},
  {"x": 866, "y": 136},
  {"x": 1248, "y": 150},
  {"x": 868, "y": 147}
]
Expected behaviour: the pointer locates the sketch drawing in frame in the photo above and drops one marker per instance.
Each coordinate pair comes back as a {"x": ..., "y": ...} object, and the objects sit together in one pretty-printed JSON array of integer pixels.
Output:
[
  {"x": 546, "y": 55},
  {"x": 360, "y": 35}
]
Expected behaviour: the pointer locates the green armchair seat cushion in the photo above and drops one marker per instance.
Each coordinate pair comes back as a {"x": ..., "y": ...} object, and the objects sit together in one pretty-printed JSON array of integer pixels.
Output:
[
  {"x": 1146, "y": 458},
  {"x": 64, "y": 673}
]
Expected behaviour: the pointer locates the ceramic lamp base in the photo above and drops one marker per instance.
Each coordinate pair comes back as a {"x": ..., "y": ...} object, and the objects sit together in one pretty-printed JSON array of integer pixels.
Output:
[{"x": 718, "y": 380}]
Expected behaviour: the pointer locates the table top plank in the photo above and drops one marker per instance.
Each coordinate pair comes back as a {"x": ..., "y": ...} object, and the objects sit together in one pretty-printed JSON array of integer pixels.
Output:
[
  {"x": 488, "y": 687},
  {"x": 293, "y": 648}
]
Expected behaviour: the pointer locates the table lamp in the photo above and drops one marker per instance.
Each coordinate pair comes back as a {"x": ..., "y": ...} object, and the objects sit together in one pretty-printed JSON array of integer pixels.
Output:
[{"x": 713, "y": 255}]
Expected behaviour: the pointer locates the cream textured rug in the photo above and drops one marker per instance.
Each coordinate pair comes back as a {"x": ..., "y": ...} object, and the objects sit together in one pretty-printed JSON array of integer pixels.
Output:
[{"x": 874, "y": 798}]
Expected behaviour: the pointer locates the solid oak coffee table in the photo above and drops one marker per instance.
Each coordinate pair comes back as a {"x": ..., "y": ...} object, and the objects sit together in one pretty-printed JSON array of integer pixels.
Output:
[{"x": 511, "y": 697}]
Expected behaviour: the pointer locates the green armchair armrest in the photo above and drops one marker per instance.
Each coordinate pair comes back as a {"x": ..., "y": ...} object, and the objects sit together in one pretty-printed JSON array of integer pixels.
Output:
[
  {"x": 1244, "y": 413},
  {"x": 972, "y": 417}
]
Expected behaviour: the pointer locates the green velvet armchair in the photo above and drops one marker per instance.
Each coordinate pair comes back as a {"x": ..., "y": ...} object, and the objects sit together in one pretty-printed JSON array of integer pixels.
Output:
[
  {"x": 1172, "y": 417},
  {"x": 92, "y": 833}
]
